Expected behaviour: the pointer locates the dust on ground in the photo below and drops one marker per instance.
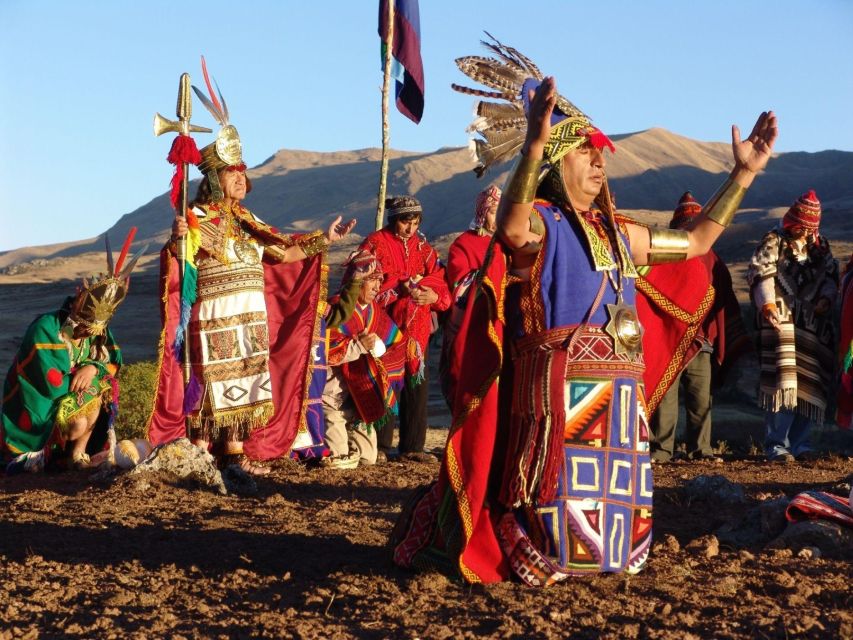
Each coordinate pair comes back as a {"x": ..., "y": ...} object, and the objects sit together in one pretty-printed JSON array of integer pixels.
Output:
[{"x": 306, "y": 557}]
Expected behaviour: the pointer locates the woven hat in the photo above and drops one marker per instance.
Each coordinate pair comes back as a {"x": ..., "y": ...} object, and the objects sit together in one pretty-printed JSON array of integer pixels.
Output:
[
  {"x": 402, "y": 206},
  {"x": 805, "y": 212}
]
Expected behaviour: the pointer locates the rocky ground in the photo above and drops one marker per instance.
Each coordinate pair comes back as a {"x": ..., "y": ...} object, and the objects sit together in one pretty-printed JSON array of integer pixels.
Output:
[{"x": 305, "y": 556}]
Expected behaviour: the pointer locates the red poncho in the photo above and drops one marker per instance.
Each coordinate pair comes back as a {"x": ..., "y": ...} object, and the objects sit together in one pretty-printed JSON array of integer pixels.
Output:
[{"x": 403, "y": 261}]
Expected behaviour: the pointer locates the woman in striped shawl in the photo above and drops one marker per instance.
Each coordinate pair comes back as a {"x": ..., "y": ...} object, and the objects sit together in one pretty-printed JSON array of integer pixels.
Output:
[{"x": 793, "y": 281}]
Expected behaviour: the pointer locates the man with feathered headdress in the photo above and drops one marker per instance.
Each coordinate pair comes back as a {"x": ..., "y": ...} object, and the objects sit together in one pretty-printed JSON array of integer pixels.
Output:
[
  {"x": 249, "y": 308},
  {"x": 793, "y": 282},
  {"x": 60, "y": 396},
  {"x": 546, "y": 471}
]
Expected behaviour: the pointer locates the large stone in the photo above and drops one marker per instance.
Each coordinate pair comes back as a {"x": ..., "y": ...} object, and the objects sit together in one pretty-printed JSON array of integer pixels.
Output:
[
  {"x": 830, "y": 538},
  {"x": 757, "y": 526},
  {"x": 184, "y": 461},
  {"x": 714, "y": 489}
]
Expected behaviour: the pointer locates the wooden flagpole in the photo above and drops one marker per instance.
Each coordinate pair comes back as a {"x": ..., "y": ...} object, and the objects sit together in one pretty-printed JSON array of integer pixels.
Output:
[{"x": 386, "y": 132}]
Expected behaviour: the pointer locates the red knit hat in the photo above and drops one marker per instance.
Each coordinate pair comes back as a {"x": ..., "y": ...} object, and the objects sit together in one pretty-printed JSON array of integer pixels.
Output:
[
  {"x": 805, "y": 212},
  {"x": 686, "y": 210}
]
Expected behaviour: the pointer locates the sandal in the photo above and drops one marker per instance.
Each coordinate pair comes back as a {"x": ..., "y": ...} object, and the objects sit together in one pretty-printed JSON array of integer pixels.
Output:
[
  {"x": 80, "y": 461},
  {"x": 249, "y": 466}
]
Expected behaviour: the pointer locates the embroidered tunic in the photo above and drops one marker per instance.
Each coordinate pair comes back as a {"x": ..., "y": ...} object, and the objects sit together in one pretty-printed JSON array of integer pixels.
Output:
[{"x": 569, "y": 380}]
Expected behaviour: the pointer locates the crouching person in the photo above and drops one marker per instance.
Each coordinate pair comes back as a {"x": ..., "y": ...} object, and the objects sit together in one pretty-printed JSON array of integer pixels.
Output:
[
  {"x": 366, "y": 359},
  {"x": 60, "y": 396}
]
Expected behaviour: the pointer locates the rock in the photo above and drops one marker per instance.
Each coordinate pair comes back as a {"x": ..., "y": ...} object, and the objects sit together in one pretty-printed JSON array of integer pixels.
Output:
[
  {"x": 183, "y": 460},
  {"x": 772, "y": 513},
  {"x": 759, "y": 525},
  {"x": 809, "y": 552},
  {"x": 714, "y": 488},
  {"x": 669, "y": 543},
  {"x": 707, "y": 546},
  {"x": 238, "y": 481},
  {"x": 831, "y": 540},
  {"x": 745, "y": 556}
]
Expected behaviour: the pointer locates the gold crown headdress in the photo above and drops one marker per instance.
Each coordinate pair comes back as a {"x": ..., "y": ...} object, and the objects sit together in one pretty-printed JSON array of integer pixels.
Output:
[
  {"x": 502, "y": 126},
  {"x": 226, "y": 150},
  {"x": 99, "y": 297}
]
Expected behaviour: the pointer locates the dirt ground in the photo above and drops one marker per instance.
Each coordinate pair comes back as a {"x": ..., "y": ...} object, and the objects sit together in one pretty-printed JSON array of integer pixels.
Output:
[{"x": 306, "y": 558}]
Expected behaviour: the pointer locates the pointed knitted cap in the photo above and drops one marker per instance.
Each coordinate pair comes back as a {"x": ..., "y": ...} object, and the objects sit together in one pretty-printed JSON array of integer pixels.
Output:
[
  {"x": 686, "y": 210},
  {"x": 804, "y": 212}
]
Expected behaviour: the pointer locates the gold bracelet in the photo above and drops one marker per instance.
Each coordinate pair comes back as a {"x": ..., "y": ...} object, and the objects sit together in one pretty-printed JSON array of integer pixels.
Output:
[
  {"x": 724, "y": 204},
  {"x": 312, "y": 243},
  {"x": 667, "y": 245},
  {"x": 523, "y": 180}
]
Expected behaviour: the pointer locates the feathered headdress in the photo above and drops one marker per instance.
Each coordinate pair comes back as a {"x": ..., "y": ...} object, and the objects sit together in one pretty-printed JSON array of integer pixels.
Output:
[
  {"x": 502, "y": 126},
  {"x": 97, "y": 299},
  {"x": 226, "y": 150}
]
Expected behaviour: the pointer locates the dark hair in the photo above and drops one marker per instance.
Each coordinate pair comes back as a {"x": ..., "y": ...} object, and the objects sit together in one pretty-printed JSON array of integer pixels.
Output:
[{"x": 205, "y": 196}]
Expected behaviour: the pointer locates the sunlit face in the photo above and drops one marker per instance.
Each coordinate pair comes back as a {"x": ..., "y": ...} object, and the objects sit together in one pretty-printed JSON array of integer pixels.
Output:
[
  {"x": 583, "y": 175},
  {"x": 406, "y": 227},
  {"x": 490, "y": 223},
  {"x": 233, "y": 184},
  {"x": 369, "y": 290}
]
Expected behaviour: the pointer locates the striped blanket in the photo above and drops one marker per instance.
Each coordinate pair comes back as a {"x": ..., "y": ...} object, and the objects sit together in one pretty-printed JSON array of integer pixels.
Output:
[{"x": 797, "y": 361}]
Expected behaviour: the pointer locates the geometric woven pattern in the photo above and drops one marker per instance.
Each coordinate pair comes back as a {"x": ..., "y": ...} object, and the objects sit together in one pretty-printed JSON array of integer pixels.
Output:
[{"x": 601, "y": 517}]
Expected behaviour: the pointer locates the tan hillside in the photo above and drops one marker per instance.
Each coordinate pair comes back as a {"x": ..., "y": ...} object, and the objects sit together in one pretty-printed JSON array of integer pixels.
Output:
[{"x": 299, "y": 190}]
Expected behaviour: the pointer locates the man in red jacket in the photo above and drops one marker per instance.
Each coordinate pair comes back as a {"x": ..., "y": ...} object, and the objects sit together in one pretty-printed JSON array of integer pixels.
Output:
[{"x": 413, "y": 287}]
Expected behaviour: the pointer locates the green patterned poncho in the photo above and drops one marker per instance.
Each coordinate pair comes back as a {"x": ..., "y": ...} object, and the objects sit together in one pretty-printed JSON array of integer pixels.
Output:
[{"x": 36, "y": 401}]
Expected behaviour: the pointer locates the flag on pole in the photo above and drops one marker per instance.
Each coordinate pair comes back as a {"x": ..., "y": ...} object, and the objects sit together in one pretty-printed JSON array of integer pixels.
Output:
[{"x": 406, "y": 66}]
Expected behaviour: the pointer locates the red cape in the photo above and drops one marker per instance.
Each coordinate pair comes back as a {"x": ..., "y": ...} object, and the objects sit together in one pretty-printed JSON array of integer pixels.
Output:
[
  {"x": 678, "y": 302},
  {"x": 672, "y": 302},
  {"x": 470, "y": 450},
  {"x": 293, "y": 292}
]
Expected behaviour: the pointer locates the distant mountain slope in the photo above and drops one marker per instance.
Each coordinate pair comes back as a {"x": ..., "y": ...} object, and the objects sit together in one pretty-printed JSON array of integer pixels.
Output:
[{"x": 300, "y": 190}]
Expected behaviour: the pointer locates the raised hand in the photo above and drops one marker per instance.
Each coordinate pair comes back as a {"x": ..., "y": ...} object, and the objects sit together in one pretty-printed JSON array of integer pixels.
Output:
[
  {"x": 338, "y": 229},
  {"x": 753, "y": 153},
  {"x": 542, "y": 104}
]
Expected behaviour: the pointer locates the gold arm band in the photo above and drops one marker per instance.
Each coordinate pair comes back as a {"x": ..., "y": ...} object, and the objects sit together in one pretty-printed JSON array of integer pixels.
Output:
[
  {"x": 667, "y": 245},
  {"x": 523, "y": 180},
  {"x": 312, "y": 243},
  {"x": 724, "y": 204}
]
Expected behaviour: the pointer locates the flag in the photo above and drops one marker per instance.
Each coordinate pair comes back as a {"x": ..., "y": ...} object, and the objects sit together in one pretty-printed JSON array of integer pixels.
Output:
[{"x": 406, "y": 66}]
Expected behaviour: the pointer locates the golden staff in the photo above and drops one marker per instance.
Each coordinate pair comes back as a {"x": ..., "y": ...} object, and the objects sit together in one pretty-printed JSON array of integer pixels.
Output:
[{"x": 183, "y": 127}]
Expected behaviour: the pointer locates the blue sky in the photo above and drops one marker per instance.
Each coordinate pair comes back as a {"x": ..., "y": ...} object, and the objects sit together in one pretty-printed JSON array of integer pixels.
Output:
[{"x": 81, "y": 82}]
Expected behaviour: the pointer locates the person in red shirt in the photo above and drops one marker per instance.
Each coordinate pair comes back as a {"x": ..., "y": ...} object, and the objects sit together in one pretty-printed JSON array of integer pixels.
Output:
[
  {"x": 464, "y": 259},
  {"x": 412, "y": 289}
]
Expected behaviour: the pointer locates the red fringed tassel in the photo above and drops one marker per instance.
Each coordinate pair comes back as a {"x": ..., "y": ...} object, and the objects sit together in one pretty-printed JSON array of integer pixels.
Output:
[
  {"x": 599, "y": 140},
  {"x": 183, "y": 151}
]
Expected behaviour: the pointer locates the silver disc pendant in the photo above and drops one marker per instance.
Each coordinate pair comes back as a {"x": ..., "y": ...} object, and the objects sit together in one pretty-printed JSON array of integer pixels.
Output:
[{"x": 624, "y": 327}]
